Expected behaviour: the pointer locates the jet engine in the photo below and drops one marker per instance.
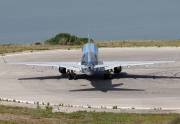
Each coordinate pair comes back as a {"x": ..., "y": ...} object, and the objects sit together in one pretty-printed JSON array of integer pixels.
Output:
[
  {"x": 117, "y": 69},
  {"x": 62, "y": 70}
]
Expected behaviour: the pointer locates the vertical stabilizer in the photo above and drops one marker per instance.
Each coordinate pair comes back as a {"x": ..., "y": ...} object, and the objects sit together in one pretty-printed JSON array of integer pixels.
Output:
[
  {"x": 89, "y": 48},
  {"x": 89, "y": 41}
]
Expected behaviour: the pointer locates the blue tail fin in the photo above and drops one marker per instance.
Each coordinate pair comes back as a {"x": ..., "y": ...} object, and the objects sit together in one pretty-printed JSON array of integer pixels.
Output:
[
  {"x": 89, "y": 41},
  {"x": 89, "y": 45}
]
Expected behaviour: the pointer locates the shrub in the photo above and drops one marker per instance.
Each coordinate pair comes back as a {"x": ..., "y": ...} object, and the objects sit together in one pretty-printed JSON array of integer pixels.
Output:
[
  {"x": 133, "y": 108},
  {"x": 48, "y": 103},
  {"x": 175, "y": 121},
  {"x": 38, "y": 107},
  {"x": 48, "y": 107},
  {"x": 38, "y": 43},
  {"x": 114, "y": 107},
  {"x": 66, "y": 39}
]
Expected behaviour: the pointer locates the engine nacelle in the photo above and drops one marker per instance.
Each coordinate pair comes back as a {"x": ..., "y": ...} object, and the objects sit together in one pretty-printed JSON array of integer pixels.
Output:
[
  {"x": 62, "y": 70},
  {"x": 117, "y": 69}
]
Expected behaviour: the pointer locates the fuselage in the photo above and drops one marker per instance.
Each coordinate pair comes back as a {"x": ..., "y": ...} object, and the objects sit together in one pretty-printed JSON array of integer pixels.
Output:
[{"x": 89, "y": 58}]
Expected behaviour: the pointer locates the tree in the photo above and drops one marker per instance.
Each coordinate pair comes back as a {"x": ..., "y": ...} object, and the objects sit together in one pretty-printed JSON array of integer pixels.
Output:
[{"x": 65, "y": 38}]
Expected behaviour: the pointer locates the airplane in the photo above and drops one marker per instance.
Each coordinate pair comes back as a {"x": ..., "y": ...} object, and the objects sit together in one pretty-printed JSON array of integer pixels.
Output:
[{"x": 90, "y": 63}]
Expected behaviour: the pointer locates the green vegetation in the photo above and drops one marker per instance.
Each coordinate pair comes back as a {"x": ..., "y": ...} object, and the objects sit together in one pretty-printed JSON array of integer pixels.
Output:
[
  {"x": 10, "y": 48},
  {"x": 114, "y": 107},
  {"x": 66, "y": 39},
  {"x": 26, "y": 115},
  {"x": 139, "y": 43},
  {"x": 38, "y": 43}
]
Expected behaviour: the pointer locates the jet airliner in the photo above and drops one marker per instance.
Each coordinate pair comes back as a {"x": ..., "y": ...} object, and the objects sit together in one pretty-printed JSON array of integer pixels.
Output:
[{"x": 90, "y": 63}]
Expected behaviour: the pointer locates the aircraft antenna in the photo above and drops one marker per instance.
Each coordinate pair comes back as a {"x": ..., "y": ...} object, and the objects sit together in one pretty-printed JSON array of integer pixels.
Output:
[{"x": 89, "y": 41}]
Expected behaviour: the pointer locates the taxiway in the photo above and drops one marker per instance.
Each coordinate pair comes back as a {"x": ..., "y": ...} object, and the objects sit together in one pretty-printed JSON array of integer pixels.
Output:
[{"x": 139, "y": 87}]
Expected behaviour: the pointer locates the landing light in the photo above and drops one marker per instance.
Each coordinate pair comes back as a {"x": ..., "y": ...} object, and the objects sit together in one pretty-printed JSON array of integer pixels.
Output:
[{"x": 89, "y": 68}]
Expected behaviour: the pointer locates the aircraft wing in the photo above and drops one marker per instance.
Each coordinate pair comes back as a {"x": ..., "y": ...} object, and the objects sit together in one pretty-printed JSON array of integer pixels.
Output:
[
  {"x": 68, "y": 65},
  {"x": 112, "y": 64}
]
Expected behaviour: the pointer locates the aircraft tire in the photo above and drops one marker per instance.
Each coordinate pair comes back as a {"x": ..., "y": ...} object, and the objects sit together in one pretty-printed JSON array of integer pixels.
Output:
[
  {"x": 69, "y": 76},
  {"x": 75, "y": 77}
]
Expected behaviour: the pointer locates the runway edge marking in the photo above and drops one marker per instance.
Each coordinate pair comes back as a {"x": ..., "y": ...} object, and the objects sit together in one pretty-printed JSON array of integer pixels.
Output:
[{"x": 80, "y": 106}]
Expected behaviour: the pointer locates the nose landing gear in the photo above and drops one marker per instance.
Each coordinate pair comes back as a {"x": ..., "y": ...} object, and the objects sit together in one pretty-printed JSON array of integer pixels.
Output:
[{"x": 107, "y": 75}]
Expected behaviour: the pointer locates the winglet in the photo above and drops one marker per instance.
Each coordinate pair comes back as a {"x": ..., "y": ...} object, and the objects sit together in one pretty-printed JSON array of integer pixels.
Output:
[
  {"x": 3, "y": 59},
  {"x": 176, "y": 56}
]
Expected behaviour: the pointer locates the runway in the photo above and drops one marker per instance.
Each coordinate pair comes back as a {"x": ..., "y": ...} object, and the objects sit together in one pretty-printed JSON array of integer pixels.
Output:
[{"x": 139, "y": 87}]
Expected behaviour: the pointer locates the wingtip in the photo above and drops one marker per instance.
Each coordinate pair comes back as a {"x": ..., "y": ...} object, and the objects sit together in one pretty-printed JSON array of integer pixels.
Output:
[
  {"x": 3, "y": 59},
  {"x": 176, "y": 57}
]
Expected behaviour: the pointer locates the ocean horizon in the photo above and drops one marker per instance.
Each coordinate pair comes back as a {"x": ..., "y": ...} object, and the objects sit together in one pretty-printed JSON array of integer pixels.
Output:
[{"x": 31, "y": 21}]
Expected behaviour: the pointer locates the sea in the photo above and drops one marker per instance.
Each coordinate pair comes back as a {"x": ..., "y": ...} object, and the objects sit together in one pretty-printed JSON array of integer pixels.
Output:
[{"x": 29, "y": 21}]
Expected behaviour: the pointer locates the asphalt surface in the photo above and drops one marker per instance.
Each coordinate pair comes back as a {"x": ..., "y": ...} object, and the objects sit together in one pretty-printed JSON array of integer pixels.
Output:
[{"x": 139, "y": 87}]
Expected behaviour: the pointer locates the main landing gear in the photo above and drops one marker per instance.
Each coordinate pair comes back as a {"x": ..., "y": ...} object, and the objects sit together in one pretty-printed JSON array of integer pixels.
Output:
[
  {"x": 107, "y": 75},
  {"x": 72, "y": 75}
]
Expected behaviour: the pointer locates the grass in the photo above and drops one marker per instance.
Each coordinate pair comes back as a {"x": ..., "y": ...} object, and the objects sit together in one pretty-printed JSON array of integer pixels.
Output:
[
  {"x": 10, "y": 48},
  {"x": 26, "y": 115},
  {"x": 139, "y": 43}
]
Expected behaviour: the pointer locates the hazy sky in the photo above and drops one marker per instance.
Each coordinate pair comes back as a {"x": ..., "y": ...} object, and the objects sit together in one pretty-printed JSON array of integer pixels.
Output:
[{"x": 38, "y": 20}]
